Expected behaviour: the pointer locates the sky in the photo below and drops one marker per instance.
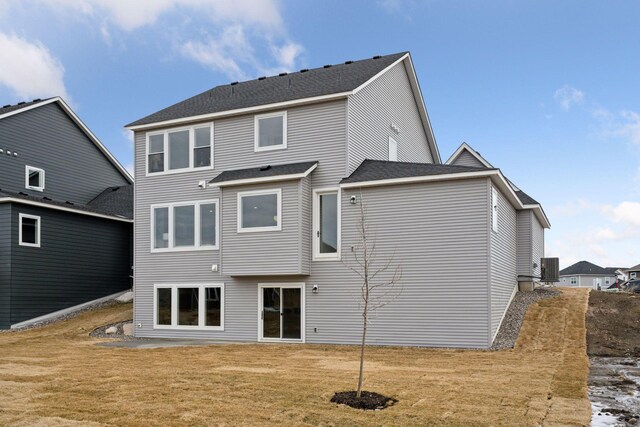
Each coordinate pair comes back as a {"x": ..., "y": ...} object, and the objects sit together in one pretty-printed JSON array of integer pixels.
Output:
[{"x": 547, "y": 91}]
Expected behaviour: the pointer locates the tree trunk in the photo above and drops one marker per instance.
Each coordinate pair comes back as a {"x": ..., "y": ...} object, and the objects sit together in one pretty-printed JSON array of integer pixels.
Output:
[{"x": 364, "y": 337}]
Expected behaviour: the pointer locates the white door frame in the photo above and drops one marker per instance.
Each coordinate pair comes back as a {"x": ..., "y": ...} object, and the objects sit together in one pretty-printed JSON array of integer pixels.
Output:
[{"x": 303, "y": 310}]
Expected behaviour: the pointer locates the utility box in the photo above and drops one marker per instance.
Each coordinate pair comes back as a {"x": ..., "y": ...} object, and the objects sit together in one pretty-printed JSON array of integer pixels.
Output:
[{"x": 550, "y": 269}]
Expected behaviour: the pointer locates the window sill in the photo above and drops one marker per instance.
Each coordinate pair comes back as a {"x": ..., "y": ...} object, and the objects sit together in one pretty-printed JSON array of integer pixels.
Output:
[
  {"x": 257, "y": 149},
  {"x": 40, "y": 189},
  {"x": 259, "y": 229},
  {"x": 178, "y": 171},
  {"x": 189, "y": 249},
  {"x": 326, "y": 258},
  {"x": 189, "y": 328}
]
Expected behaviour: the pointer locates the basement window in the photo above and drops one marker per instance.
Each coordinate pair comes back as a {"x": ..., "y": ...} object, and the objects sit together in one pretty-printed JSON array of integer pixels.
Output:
[
  {"x": 189, "y": 306},
  {"x": 34, "y": 178}
]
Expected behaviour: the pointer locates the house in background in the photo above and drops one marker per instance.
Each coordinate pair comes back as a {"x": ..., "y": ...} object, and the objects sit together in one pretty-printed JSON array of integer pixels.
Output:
[
  {"x": 584, "y": 274},
  {"x": 66, "y": 213},
  {"x": 620, "y": 272},
  {"x": 248, "y": 198},
  {"x": 633, "y": 272},
  {"x": 530, "y": 223}
]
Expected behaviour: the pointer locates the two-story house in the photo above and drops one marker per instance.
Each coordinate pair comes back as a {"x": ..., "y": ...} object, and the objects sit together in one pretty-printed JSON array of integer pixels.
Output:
[
  {"x": 66, "y": 214},
  {"x": 248, "y": 198}
]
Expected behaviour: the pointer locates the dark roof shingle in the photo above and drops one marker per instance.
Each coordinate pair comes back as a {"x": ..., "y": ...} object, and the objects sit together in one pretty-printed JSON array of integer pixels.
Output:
[
  {"x": 263, "y": 172},
  {"x": 287, "y": 87},
  {"x": 584, "y": 267},
  {"x": 19, "y": 106},
  {"x": 65, "y": 204},
  {"x": 375, "y": 170},
  {"x": 116, "y": 201}
]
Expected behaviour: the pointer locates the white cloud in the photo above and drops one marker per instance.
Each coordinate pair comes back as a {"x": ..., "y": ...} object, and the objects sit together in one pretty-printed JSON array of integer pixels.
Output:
[
  {"x": 288, "y": 54},
  {"x": 627, "y": 213},
  {"x": 571, "y": 208},
  {"x": 630, "y": 127},
  {"x": 568, "y": 96},
  {"x": 29, "y": 69}
]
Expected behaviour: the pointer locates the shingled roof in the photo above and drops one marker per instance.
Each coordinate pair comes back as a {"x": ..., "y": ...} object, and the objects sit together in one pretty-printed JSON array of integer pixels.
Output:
[
  {"x": 19, "y": 106},
  {"x": 585, "y": 267},
  {"x": 96, "y": 209},
  {"x": 375, "y": 170},
  {"x": 116, "y": 201},
  {"x": 263, "y": 172},
  {"x": 306, "y": 83}
]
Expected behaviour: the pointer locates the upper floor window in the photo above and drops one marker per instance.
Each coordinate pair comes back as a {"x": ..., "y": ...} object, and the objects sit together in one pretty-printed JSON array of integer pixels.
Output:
[
  {"x": 271, "y": 131},
  {"x": 393, "y": 150},
  {"x": 184, "y": 226},
  {"x": 494, "y": 210},
  {"x": 29, "y": 231},
  {"x": 34, "y": 178},
  {"x": 179, "y": 150},
  {"x": 259, "y": 210},
  {"x": 326, "y": 224}
]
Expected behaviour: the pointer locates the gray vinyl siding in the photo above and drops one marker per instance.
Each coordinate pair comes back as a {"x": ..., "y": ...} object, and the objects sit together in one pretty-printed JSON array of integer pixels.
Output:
[
  {"x": 537, "y": 233},
  {"x": 46, "y": 138},
  {"x": 315, "y": 132},
  {"x": 467, "y": 159},
  {"x": 372, "y": 110},
  {"x": 585, "y": 281},
  {"x": 264, "y": 252},
  {"x": 525, "y": 243},
  {"x": 5, "y": 264},
  {"x": 80, "y": 258},
  {"x": 502, "y": 261},
  {"x": 306, "y": 221}
]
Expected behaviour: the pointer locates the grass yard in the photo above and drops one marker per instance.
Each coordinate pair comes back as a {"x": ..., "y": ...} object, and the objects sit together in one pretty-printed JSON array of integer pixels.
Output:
[{"x": 57, "y": 376}]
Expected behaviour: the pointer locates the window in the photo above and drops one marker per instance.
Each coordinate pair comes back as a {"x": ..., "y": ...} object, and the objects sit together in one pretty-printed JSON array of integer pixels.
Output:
[
  {"x": 607, "y": 280},
  {"x": 259, "y": 211},
  {"x": 494, "y": 210},
  {"x": 326, "y": 224},
  {"x": 270, "y": 131},
  {"x": 189, "y": 306},
  {"x": 632, "y": 276},
  {"x": 574, "y": 280},
  {"x": 29, "y": 231},
  {"x": 393, "y": 150},
  {"x": 34, "y": 178},
  {"x": 184, "y": 226},
  {"x": 180, "y": 150}
]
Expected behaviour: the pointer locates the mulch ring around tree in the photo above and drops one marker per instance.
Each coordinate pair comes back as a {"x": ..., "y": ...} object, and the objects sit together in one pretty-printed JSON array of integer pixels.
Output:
[{"x": 367, "y": 401}]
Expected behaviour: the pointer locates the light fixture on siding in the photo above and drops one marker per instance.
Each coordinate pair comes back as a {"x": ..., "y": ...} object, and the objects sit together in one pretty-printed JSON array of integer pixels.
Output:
[
  {"x": 353, "y": 200},
  {"x": 314, "y": 289},
  {"x": 394, "y": 127},
  {"x": 202, "y": 184}
]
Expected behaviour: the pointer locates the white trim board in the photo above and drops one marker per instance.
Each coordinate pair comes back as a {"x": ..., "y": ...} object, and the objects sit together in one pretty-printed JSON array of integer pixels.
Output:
[
  {"x": 62, "y": 208},
  {"x": 303, "y": 313},
  {"x": 464, "y": 146},
  {"x": 66, "y": 311},
  {"x": 274, "y": 178},
  {"x": 81, "y": 125}
]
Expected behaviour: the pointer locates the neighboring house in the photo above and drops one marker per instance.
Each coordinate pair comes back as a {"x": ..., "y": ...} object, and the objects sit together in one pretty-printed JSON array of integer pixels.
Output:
[
  {"x": 248, "y": 199},
  {"x": 530, "y": 222},
  {"x": 584, "y": 274},
  {"x": 620, "y": 272},
  {"x": 65, "y": 213},
  {"x": 633, "y": 272}
]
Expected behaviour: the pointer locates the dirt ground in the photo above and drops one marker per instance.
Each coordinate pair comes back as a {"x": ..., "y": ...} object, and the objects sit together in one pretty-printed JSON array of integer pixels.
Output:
[
  {"x": 56, "y": 375},
  {"x": 613, "y": 324}
]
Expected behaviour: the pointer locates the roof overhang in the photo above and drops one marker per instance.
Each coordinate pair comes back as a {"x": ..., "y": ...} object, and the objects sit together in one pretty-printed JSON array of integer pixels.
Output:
[
  {"x": 266, "y": 179},
  {"x": 466, "y": 147},
  {"x": 81, "y": 125},
  {"x": 495, "y": 175},
  {"x": 63, "y": 209}
]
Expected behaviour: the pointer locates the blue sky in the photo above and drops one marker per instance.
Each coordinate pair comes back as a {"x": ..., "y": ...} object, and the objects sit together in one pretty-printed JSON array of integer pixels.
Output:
[{"x": 548, "y": 91}]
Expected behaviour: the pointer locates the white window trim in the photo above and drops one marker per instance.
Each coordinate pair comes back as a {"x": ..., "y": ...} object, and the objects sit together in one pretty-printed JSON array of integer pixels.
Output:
[
  {"x": 303, "y": 311},
  {"x": 28, "y": 169},
  {"x": 20, "y": 242},
  {"x": 317, "y": 256},
  {"x": 632, "y": 275},
  {"x": 256, "y": 127},
  {"x": 494, "y": 210},
  {"x": 394, "y": 142},
  {"x": 573, "y": 280},
  {"x": 201, "y": 306},
  {"x": 197, "y": 246},
  {"x": 165, "y": 153},
  {"x": 241, "y": 194}
]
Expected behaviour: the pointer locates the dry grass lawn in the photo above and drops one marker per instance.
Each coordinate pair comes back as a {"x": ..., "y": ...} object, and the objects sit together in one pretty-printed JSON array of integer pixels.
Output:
[{"x": 57, "y": 376}]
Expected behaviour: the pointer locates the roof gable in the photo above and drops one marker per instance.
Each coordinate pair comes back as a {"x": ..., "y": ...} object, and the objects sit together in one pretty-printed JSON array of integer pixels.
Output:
[
  {"x": 466, "y": 150},
  {"x": 9, "y": 111}
]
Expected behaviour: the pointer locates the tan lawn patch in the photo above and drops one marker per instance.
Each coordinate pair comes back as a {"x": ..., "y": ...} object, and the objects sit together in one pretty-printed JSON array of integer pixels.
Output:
[{"x": 56, "y": 376}]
